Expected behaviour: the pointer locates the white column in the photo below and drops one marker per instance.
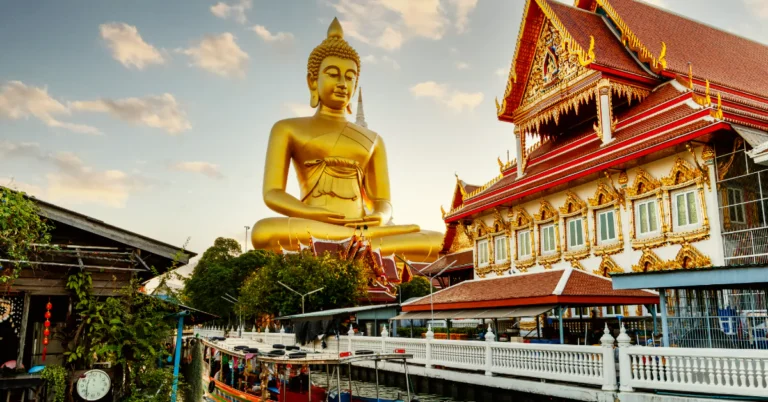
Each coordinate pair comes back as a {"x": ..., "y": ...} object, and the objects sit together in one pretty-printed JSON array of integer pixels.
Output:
[
  {"x": 625, "y": 362},
  {"x": 430, "y": 336},
  {"x": 609, "y": 362},
  {"x": 604, "y": 110},
  {"x": 519, "y": 152}
]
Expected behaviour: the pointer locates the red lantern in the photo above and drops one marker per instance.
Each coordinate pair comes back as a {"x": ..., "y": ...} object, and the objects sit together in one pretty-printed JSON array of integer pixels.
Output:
[{"x": 47, "y": 325}]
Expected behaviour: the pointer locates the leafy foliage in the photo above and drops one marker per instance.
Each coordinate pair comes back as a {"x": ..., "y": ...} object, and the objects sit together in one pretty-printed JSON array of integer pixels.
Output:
[
  {"x": 343, "y": 284},
  {"x": 56, "y": 378},
  {"x": 417, "y": 287},
  {"x": 130, "y": 331},
  {"x": 222, "y": 270},
  {"x": 21, "y": 227}
]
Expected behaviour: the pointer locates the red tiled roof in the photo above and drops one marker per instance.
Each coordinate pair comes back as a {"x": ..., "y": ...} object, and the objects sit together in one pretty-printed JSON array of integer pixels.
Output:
[
  {"x": 460, "y": 260},
  {"x": 547, "y": 287},
  {"x": 717, "y": 55},
  {"x": 609, "y": 52}
]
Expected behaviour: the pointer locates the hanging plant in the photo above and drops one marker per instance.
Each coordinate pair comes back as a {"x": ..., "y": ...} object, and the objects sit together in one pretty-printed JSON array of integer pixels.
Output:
[{"x": 56, "y": 378}]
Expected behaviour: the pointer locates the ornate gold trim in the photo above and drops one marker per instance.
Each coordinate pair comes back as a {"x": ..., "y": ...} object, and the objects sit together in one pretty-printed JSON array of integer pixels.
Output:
[
  {"x": 639, "y": 310},
  {"x": 512, "y": 77},
  {"x": 605, "y": 197},
  {"x": 699, "y": 234},
  {"x": 547, "y": 214},
  {"x": 643, "y": 187},
  {"x": 607, "y": 265},
  {"x": 578, "y": 254},
  {"x": 682, "y": 175},
  {"x": 628, "y": 38},
  {"x": 649, "y": 261},
  {"x": 690, "y": 257},
  {"x": 609, "y": 249},
  {"x": 585, "y": 57},
  {"x": 520, "y": 221},
  {"x": 575, "y": 264},
  {"x": 575, "y": 207}
]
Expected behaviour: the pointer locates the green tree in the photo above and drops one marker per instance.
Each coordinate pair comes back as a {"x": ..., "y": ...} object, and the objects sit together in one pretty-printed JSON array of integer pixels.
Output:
[
  {"x": 222, "y": 269},
  {"x": 343, "y": 282},
  {"x": 417, "y": 287},
  {"x": 21, "y": 229}
]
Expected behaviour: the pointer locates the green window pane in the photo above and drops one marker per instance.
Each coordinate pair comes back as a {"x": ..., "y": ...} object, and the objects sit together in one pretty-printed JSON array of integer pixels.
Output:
[
  {"x": 603, "y": 232},
  {"x": 652, "y": 221},
  {"x": 693, "y": 217},
  {"x": 611, "y": 226},
  {"x": 579, "y": 233},
  {"x": 643, "y": 212},
  {"x": 681, "y": 212}
]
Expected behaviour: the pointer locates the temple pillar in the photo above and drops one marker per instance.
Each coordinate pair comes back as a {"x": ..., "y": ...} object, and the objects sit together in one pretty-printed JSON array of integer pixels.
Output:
[
  {"x": 519, "y": 144},
  {"x": 604, "y": 112}
]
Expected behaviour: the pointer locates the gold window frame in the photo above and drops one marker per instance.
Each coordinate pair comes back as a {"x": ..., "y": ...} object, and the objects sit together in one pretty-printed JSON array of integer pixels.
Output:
[
  {"x": 547, "y": 215},
  {"x": 521, "y": 220},
  {"x": 606, "y": 197},
  {"x": 681, "y": 176},
  {"x": 574, "y": 207}
]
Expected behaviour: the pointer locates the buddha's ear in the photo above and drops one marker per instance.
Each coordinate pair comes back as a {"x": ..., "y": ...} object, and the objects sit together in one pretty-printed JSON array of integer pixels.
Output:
[{"x": 314, "y": 97}]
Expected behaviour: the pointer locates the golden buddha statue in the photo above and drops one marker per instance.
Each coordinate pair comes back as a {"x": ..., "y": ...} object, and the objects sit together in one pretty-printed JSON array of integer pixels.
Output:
[{"x": 341, "y": 167}]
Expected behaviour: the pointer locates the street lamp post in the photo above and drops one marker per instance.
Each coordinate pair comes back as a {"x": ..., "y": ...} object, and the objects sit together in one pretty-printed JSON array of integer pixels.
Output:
[
  {"x": 431, "y": 304},
  {"x": 246, "y": 238},
  {"x": 236, "y": 302},
  {"x": 302, "y": 295}
]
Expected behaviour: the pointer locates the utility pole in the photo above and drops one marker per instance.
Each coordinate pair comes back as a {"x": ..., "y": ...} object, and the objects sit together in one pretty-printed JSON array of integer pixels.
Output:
[
  {"x": 302, "y": 295},
  {"x": 246, "y": 238}
]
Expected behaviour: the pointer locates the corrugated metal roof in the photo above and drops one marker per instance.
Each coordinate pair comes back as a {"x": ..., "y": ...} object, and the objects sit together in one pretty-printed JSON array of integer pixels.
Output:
[{"x": 324, "y": 313}]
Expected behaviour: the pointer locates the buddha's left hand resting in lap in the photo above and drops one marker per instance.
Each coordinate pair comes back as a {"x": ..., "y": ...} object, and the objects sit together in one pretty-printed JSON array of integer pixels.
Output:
[{"x": 341, "y": 168}]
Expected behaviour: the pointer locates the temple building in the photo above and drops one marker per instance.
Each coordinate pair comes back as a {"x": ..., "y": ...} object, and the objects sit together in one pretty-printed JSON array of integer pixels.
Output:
[{"x": 641, "y": 140}]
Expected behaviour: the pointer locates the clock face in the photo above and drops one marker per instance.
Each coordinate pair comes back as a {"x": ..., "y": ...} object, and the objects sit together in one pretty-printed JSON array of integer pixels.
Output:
[{"x": 93, "y": 385}]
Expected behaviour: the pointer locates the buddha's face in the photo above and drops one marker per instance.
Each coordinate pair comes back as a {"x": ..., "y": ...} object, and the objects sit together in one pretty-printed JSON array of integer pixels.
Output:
[{"x": 336, "y": 82}]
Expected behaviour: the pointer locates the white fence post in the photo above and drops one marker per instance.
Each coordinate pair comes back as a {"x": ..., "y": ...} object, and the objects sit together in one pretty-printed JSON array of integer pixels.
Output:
[
  {"x": 430, "y": 336},
  {"x": 350, "y": 335},
  {"x": 625, "y": 362},
  {"x": 609, "y": 361},
  {"x": 384, "y": 335},
  {"x": 490, "y": 337}
]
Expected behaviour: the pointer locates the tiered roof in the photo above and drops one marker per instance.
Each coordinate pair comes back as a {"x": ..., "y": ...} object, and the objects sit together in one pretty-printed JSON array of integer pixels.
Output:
[
  {"x": 558, "y": 286},
  {"x": 645, "y": 52},
  {"x": 385, "y": 273}
]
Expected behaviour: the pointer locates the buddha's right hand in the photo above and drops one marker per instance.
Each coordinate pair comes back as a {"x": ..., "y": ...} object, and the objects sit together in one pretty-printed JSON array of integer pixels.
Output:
[{"x": 322, "y": 215}]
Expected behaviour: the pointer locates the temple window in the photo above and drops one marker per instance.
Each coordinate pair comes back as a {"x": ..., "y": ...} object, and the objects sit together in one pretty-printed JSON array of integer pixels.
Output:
[
  {"x": 685, "y": 209},
  {"x": 736, "y": 205},
  {"x": 646, "y": 217},
  {"x": 482, "y": 253},
  {"x": 523, "y": 244},
  {"x": 606, "y": 230},
  {"x": 547, "y": 236},
  {"x": 500, "y": 249},
  {"x": 613, "y": 310},
  {"x": 575, "y": 233}
]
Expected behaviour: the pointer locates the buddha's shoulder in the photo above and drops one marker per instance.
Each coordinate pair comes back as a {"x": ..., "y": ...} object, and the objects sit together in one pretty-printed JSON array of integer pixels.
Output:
[
  {"x": 291, "y": 124},
  {"x": 363, "y": 130}
]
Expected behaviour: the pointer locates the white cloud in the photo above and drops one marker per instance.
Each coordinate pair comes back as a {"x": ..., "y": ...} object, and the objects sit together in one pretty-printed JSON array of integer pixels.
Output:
[
  {"x": 267, "y": 36},
  {"x": 463, "y": 9},
  {"x": 17, "y": 101},
  {"x": 760, "y": 7},
  {"x": 443, "y": 94},
  {"x": 160, "y": 111},
  {"x": 235, "y": 11},
  {"x": 128, "y": 47},
  {"x": 371, "y": 59},
  {"x": 220, "y": 55},
  {"x": 390, "y": 23},
  {"x": 460, "y": 65},
  {"x": 73, "y": 180},
  {"x": 502, "y": 72},
  {"x": 205, "y": 168},
  {"x": 390, "y": 39},
  {"x": 299, "y": 109}
]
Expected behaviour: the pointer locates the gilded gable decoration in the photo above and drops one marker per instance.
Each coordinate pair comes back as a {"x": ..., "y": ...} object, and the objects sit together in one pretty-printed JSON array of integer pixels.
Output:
[
  {"x": 643, "y": 187},
  {"x": 682, "y": 175},
  {"x": 607, "y": 266},
  {"x": 573, "y": 205},
  {"x": 648, "y": 262},
  {"x": 520, "y": 219},
  {"x": 481, "y": 229},
  {"x": 605, "y": 195},
  {"x": 690, "y": 257},
  {"x": 499, "y": 223},
  {"x": 463, "y": 240},
  {"x": 546, "y": 213}
]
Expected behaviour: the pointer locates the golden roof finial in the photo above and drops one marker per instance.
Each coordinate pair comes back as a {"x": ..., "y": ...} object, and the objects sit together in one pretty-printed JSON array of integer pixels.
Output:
[
  {"x": 706, "y": 93},
  {"x": 442, "y": 211},
  {"x": 718, "y": 112},
  {"x": 663, "y": 55}
]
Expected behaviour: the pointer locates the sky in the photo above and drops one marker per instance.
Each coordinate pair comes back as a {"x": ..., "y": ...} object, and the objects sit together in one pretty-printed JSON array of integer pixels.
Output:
[{"x": 154, "y": 115}]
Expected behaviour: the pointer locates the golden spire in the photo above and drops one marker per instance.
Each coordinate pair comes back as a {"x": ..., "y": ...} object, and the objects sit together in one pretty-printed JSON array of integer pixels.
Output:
[
  {"x": 335, "y": 30},
  {"x": 706, "y": 94},
  {"x": 442, "y": 211}
]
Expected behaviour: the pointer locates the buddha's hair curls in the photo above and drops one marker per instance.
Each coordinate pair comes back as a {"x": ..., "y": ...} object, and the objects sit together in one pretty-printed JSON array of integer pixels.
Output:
[{"x": 333, "y": 45}]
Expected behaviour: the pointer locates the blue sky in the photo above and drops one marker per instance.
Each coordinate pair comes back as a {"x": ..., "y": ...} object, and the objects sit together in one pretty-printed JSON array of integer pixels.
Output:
[{"x": 154, "y": 115}]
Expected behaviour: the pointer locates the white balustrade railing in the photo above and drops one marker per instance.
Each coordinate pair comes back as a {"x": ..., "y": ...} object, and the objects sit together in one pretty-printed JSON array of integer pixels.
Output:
[
  {"x": 710, "y": 371},
  {"x": 701, "y": 371}
]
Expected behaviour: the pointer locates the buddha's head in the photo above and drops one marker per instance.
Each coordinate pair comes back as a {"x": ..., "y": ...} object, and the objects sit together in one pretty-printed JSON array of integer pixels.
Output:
[{"x": 332, "y": 71}]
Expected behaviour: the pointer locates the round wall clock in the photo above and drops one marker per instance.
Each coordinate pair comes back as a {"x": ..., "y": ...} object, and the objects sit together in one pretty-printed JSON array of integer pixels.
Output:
[{"x": 93, "y": 385}]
